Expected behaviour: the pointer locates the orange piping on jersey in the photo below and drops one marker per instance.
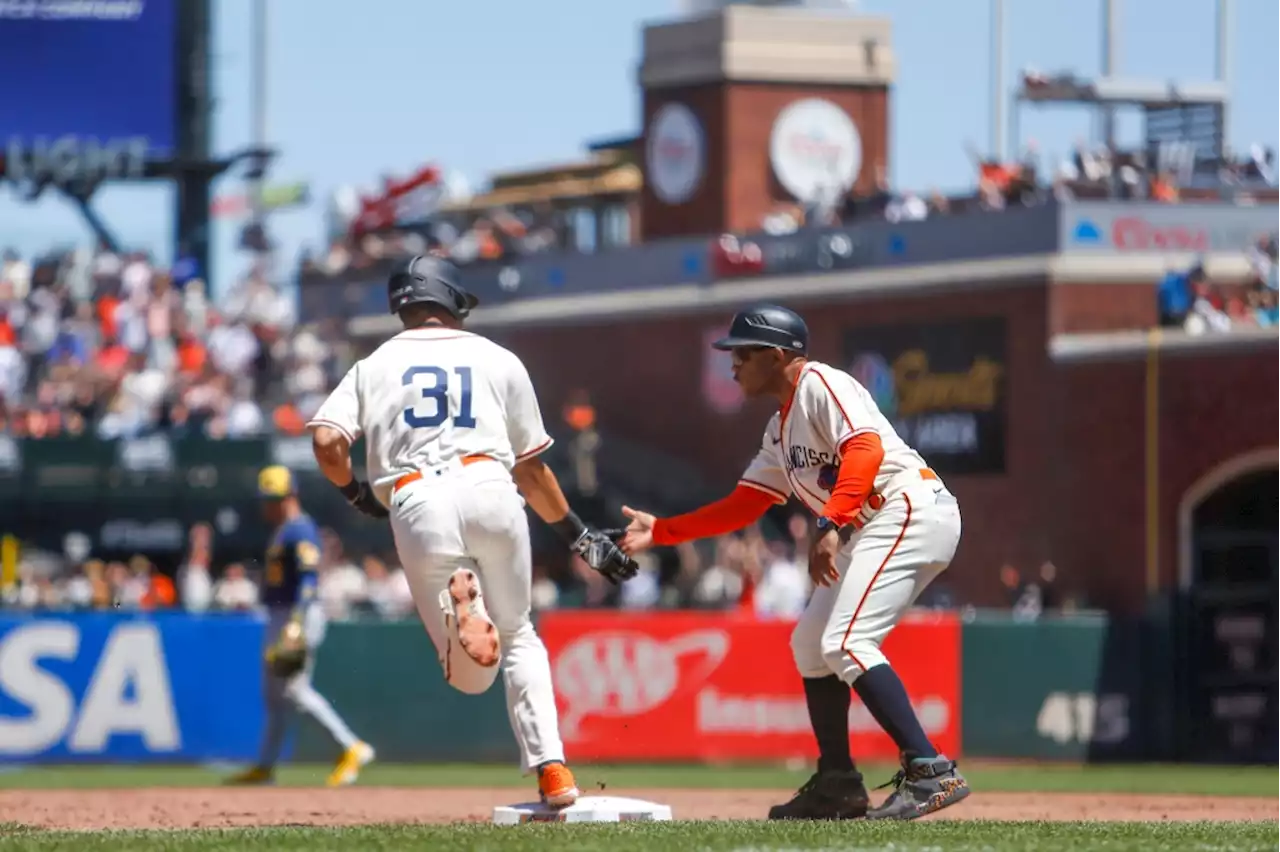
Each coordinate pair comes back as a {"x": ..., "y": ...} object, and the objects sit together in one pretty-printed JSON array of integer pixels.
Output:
[
  {"x": 796, "y": 484},
  {"x": 844, "y": 643},
  {"x": 861, "y": 460},
  {"x": 843, "y": 413},
  {"x": 777, "y": 495},
  {"x": 786, "y": 406},
  {"x": 319, "y": 422},
  {"x": 744, "y": 506},
  {"x": 528, "y": 454}
]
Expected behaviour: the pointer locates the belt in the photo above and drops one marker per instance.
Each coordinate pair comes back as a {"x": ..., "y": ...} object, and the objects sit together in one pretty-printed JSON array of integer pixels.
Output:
[
  {"x": 414, "y": 476},
  {"x": 902, "y": 480}
]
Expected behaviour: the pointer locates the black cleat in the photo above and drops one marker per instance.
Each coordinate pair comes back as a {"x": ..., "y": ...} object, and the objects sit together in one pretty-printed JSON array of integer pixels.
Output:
[{"x": 827, "y": 795}]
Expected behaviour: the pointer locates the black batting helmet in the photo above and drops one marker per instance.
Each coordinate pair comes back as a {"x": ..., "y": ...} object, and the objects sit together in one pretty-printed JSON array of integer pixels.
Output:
[
  {"x": 429, "y": 279},
  {"x": 767, "y": 325}
]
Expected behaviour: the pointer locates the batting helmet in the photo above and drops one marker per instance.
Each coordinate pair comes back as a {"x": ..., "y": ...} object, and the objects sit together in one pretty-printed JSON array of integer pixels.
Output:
[
  {"x": 767, "y": 325},
  {"x": 429, "y": 279}
]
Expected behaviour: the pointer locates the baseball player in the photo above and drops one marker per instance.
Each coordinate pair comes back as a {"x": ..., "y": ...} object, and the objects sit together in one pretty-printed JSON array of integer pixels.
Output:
[
  {"x": 886, "y": 526},
  {"x": 295, "y": 629},
  {"x": 453, "y": 436}
]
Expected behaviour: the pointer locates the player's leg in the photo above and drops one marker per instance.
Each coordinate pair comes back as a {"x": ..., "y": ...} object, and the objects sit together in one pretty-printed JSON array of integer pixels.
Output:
[
  {"x": 890, "y": 562},
  {"x": 304, "y": 696},
  {"x": 279, "y": 713},
  {"x": 428, "y": 540},
  {"x": 836, "y": 791},
  {"x": 497, "y": 535}
]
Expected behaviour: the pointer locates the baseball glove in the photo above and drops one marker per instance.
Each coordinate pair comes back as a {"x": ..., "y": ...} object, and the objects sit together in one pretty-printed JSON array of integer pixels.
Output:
[
  {"x": 599, "y": 549},
  {"x": 288, "y": 654}
]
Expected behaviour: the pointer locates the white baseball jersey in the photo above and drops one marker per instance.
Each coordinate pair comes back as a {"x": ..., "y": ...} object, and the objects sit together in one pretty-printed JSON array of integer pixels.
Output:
[
  {"x": 800, "y": 453},
  {"x": 433, "y": 395}
]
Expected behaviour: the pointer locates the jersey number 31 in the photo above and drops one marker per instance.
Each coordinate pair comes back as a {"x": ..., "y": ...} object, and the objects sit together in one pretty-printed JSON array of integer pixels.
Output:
[{"x": 435, "y": 393}]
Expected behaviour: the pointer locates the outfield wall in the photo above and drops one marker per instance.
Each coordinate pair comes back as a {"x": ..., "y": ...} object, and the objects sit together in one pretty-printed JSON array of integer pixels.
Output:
[{"x": 174, "y": 687}]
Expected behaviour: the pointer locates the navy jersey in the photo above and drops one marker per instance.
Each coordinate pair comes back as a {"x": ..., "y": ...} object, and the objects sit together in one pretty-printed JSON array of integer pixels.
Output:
[{"x": 293, "y": 557}]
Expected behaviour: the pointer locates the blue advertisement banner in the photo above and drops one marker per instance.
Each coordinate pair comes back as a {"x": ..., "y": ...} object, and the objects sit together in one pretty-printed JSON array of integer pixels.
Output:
[
  {"x": 104, "y": 71},
  {"x": 106, "y": 687}
]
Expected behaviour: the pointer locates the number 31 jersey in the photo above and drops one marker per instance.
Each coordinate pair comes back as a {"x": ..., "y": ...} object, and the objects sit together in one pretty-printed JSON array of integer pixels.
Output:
[{"x": 429, "y": 396}]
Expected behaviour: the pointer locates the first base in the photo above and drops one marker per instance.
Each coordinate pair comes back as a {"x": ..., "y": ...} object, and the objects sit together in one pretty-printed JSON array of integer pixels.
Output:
[{"x": 586, "y": 809}]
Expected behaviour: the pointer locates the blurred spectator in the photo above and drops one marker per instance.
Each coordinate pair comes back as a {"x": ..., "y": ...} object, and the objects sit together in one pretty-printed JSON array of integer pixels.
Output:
[
  {"x": 235, "y": 591},
  {"x": 342, "y": 584},
  {"x": 388, "y": 590},
  {"x": 132, "y": 348},
  {"x": 157, "y": 590},
  {"x": 194, "y": 578},
  {"x": 1175, "y": 294},
  {"x": 543, "y": 592},
  {"x": 783, "y": 587}
]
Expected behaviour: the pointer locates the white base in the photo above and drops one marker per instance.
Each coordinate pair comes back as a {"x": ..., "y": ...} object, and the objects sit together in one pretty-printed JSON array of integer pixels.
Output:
[{"x": 586, "y": 809}]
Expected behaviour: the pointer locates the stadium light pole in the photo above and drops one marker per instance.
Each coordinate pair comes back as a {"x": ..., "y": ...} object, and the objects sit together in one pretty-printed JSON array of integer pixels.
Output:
[
  {"x": 1110, "y": 57},
  {"x": 1222, "y": 61},
  {"x": 258, "y": 99},
  {"x": 999, "y": 88}
]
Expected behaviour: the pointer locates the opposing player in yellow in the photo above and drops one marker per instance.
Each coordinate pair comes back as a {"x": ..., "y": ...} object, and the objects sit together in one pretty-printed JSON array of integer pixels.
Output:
[
  {"x": 453, "y": 438},
  {"x": 295, "y": 629},
  {"x": 886, "y": 527}
]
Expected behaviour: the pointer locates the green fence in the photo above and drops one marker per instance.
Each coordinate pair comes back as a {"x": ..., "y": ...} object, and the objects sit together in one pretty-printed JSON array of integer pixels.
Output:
[
  {"x": 1072, "y": 688},
  {"x": 142, "y": 495},
  {"x": 384, "y": 680}
]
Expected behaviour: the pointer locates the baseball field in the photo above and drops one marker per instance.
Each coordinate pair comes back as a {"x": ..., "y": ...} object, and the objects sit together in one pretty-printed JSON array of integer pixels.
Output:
[{"x": 1014, "y": 806}]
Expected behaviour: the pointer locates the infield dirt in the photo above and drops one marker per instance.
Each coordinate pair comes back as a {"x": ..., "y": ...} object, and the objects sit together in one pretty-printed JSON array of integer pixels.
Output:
[{"x": 222, "y": 807}]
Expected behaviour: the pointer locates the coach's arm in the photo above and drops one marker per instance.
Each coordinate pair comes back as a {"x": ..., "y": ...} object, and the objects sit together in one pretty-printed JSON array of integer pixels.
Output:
[{"x": 332, "y": 450}]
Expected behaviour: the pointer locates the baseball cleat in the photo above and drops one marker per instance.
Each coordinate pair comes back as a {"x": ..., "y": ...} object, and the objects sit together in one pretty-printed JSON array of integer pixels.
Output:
[
  {"x": 838, "y": 794},
  {"x": 254, "y": 776},
  {"x": 924, "y": 785},
  {"x": 349, "y": 765},
  {"x": 556, "y": 785},
  {"x": 464, "y": 610}
]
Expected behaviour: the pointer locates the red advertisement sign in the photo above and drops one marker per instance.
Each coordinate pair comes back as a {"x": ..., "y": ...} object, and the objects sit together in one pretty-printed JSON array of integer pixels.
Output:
[
  {"x": 723, "y": 686},
  {"x": 1133, "y": 233}
]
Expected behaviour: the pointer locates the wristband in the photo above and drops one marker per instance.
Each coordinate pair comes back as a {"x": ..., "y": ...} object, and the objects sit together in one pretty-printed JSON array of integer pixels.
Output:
[
  {"x": 569, "y": 527},
  {"x": 351, "y": 490}
]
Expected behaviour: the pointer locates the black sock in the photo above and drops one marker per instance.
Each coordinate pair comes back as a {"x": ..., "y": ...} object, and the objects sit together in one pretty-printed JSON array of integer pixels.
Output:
[
  {"x": 882, "y": 691},
  {"x": 828, "y": 699}
]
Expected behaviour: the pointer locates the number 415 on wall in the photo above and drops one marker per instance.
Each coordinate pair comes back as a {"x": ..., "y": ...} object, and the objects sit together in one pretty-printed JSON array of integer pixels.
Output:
[{"x": 1084, "y": 717}]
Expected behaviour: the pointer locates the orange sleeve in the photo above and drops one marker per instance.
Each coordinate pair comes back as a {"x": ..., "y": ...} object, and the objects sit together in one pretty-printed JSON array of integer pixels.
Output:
[
  {"x": 744, "y": 506},
  {"x": 859, "y": 463}
]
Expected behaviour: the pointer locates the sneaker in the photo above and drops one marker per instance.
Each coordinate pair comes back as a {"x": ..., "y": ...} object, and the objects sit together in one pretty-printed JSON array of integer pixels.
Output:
[
  {"x": 834, "y": 794},
  {"x": 924, "y": 785},
  {"x": 465, "y": 613},
  {"x": 556, "y": 785},
  {"x": 349, "y": 765},
  {"x": 251, "y": 777}
]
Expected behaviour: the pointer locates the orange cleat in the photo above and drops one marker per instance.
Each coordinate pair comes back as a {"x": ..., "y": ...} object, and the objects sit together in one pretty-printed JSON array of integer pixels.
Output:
[{"x": 556, "y": 784}]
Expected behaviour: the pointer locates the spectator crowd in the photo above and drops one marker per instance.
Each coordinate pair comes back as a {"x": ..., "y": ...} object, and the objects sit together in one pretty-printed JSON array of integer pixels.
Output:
[{"x": 115, "y": 345}]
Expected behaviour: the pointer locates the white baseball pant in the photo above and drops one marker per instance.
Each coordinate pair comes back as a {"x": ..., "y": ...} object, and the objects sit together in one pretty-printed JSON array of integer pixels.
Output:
[
  {"x": 883, "y": 569},
  {"x": 472, "y": 516}
]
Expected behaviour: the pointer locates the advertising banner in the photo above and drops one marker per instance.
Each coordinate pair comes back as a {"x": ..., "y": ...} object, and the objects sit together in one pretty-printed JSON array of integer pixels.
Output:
[
  {"x": 1153, "y": 227},
  {"x": 105, "y": 687},
  {"x": 88, "y": 92},
  {"x": 723, "y": 686},
  {"x": 942, "y": 385}
]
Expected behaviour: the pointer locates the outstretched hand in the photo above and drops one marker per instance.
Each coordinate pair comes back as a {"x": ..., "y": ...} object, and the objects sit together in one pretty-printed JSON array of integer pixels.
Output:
[{"x": 638, "y": 536}]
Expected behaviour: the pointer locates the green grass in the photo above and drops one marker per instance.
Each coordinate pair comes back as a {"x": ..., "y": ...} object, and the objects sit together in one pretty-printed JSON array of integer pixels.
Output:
[
  {"x": 685, "y": 837},
  {"x": 993, "y": 776}
]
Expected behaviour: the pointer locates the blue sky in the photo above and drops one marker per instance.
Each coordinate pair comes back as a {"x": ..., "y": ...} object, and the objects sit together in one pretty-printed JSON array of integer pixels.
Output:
[{"x": 360, "y": 88}]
